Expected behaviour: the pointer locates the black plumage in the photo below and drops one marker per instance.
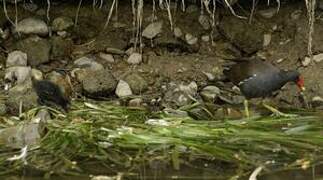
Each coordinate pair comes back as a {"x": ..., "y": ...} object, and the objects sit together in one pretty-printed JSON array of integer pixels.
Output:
[
  {"x": 257, "y": 78},
  {"x": 49, "y": 93}
]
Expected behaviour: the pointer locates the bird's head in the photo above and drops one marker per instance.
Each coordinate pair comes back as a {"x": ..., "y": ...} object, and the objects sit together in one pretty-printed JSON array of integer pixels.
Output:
[{"x": 300, "y": 83}]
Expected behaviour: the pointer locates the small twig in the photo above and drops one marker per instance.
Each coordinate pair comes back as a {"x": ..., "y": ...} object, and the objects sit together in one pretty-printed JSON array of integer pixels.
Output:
[{"x": 77, "y": 13}]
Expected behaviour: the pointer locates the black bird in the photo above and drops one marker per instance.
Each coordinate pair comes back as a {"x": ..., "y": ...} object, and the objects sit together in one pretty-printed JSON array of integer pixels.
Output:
[
  {"x": 257, "y": 78},
  {"x": 49, "y": 93}
]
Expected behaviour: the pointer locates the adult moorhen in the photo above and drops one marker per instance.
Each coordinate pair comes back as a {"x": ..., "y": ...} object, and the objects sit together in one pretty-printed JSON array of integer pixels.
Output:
[
  {"x": 257, "y": 78},
  {"x": 49, "y": 93}
]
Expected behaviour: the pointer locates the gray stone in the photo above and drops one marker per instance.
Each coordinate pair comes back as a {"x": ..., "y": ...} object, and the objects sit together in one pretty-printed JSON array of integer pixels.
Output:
[
  {"x": 123, "y": 89},
  {"x": 99, "y": 83},
  {"x": 210, "y": 93},
  {"x": 107, "y": 57},
  {"x": 137, "y": 83},
  {"x": 318, "y": 57},
  {"x": 243, "y": 35},
  {"x": 88, "y": 63},
  {"x": 152, "y": 30},
  {"x": 136, "y": 102},
  {"x": 268, "y": 13},
  {"x": 37, "y": 50},
  {"x": 62, "y": 23},
  {"x": 18, "y": 73},
  {"x": 205, "y": 38},
  {"x": 31, "y": 7},
  {"x": 296, "y": 14},
  {"x": 180, "y": 95},
  {"x": 37, "y": 74},
  {"x": 24, "y": 94},
  {"x": 16, "y": 58},
  {"x": 61, "y": 47},
  {"x": 32, "y": 26},
  {"x": 178, "y": 32},
  {"x": 115, "y": 51},
  {"x": 190, "y": 39},
  {"x": 204, "y": 21},
  {"x": 267, "y": 39},
  {"x": 306, "y": 61},
  {"x": 3, "y": 109},
  {"x": 135, "y": 58}
]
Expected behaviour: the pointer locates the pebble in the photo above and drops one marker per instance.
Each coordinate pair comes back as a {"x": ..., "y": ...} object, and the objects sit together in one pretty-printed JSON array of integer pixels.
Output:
[
  {"x": 115, "y": 51},
  {"x": 306, "y": 61},
  {"x": 204, "y": 21},
  {"x": 268, "y": 13},
  {"x": 205, "y": 38},
  {"x": 135, "y": 58},
  {"x": 32, "y": 26},
  {"x": 209, "y": 93},
  {"x": 136, "y": 102},
  {"x": 88, "y": 63},
  {"x": 267, "y": 39},
  {"x": 178, "y": 32},
  {"x": 296, "y": 14},
  {"x": 152, "y": 30},
  {"x": 16, "y": 58},
  {"x": 123, "y": 89},
  {"x": 190, "y": 39},
  {"x": 62, "y": 23},
  {"x": 318, "y": 57},
  {"x": 107, "y": 57},
  {"x": 19, "y": 73},
  {"x": 36, "y": 73}
]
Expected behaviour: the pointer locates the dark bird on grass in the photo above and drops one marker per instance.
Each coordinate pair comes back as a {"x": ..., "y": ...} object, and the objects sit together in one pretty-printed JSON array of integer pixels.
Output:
[
  {"x": 257, "y": 78},
  {"x": 49, "y": 93}
]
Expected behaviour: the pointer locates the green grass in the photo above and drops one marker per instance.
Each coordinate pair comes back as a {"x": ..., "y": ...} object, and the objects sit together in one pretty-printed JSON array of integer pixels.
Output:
[{"x": 119, "y": 138}]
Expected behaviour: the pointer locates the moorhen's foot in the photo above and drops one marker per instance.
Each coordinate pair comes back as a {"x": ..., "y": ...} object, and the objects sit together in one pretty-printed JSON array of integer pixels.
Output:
[
  {"x": 277, "y": 113},
  {"x": 246, "y": 108}
]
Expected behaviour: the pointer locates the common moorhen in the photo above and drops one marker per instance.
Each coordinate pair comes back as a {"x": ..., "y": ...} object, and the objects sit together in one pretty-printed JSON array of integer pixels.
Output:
[
  {"x": 49, "y": 93},
  {"x": 257, "y": 78}
]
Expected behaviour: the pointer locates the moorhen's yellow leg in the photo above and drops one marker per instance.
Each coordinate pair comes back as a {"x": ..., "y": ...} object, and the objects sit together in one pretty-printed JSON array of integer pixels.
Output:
[
  {"x": 246, "y": 108},
  {"x": 276, "y": 112}
]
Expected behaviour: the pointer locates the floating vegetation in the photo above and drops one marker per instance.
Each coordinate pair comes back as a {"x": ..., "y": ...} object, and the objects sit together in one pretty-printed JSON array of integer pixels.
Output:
[{"x": 123, "y": 139}]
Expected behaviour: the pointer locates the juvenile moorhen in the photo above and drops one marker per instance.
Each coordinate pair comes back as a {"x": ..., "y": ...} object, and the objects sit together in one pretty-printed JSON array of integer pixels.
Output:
[
  {"x": 257, "y": 78},
  {"x": 49, "y": 93}
]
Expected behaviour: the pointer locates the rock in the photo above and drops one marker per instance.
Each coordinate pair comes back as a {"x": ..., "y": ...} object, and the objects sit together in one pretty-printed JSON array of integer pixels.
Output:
[
  {"x": 23, "y": 93},
  {"x": 267, "y": 39},
  {"x": 107, "y": 57},
  {"x": 88, "y": 63},
  {"x": 100, "y": 83},
  {"x": 136, "y": 102},
  {"x": 205, "y": 38},
  {"x": 296, "y": 14},
  {"x": 190, "y": 39},
  {"x": 31, "y": 7},
  {"x": 135, "y": 58},
  {"x": 318, "y": 57},
  {"x": 137, "y": 83},
  {"x": 306, "y": 61},
  {"x": 204, "y": 21},
  {"x": 115, "y": 51},
  {"x": 152, "y": 30},
  {"x": 209, "y": 93},
  {"x": 3, "y": 109},
  {"x": 268, "y": 13},
  {"x": 18, "y": 73},
  {"x": 317, "y": 101},
  {"x": 180, "y": 95},
  {"x": 247, "y": 37},
  {"x": 123, "y": 89},
  {"x": 62, "y": 23},
  {"x": 62, "y": 34},
  {"x": 16, "y": 58},
  {"x": 178, "y": 32},
  {"x": 4, "y": 33},
  {"x": 37, "y": 50},
  {"x": 32, "y": 26},
  {"x": 192, "y": 9},
  {"x": 36, "y": 73},
  {"x": 61, "y": 47}
]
